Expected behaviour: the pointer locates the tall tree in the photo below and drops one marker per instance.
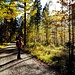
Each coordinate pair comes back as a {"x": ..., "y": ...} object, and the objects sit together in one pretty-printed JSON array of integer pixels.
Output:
[
  {"x": 26, "y": 8},
  {"x": 47, "y": 20},
  {"x": 37, "y": 17}
]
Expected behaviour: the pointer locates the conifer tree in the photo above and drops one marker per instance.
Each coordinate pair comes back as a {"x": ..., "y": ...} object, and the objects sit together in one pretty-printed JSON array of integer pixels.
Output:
[
  {"x": 47, "y": 20},
  {"x": 36, "y": 18}
]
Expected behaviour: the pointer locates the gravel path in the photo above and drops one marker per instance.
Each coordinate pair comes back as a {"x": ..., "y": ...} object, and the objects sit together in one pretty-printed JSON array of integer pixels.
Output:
[{"x": 10, "y": 65}]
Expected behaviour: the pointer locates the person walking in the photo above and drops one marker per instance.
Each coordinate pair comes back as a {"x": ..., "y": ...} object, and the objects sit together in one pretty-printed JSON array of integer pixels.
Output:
[{"x": 19, "y": 46}]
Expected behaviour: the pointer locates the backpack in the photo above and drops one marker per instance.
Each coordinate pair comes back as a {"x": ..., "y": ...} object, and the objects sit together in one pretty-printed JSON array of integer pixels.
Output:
[{"x": 17, "y": 43}]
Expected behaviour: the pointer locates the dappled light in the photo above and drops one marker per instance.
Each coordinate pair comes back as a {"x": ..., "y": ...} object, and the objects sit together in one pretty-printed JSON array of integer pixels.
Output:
[{"x": 37, "y": 32}]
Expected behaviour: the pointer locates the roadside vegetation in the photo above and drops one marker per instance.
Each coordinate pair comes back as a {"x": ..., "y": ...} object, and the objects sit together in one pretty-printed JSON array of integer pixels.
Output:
[{"x": 47, "y": 35}]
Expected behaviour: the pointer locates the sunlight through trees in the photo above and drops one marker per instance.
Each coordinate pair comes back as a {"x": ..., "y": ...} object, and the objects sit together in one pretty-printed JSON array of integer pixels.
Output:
[{"x": 41, "y": 28}]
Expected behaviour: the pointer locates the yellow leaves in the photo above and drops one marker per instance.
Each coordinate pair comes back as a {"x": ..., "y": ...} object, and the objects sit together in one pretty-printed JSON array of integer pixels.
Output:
[
  {"x": 3, "y": 12},
  {"x": 6, "y": 13},
  {"x": 12, "y": 5},
  {"x": 24, "y": 1},
  {"x": 23, "y": 30},
  {"x": 8, "y": 20},
  {"x": 46, "y": 14},
  {"x": 27, "y": 7},
  {"x": 47, "y": 17},
  {"x": 10, "y": 11},
  {"x": 47, "y": 53},
  {"x": 58, "y": 18},
  {"x": 55, "y": 18},
  {"x": 34, "y": 12},
  {"x": 2, "y": 46},
  {"x": 8, "y": 16}
]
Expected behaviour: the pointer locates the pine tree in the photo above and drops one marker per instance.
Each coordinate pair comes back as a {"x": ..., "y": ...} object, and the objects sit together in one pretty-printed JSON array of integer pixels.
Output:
[
  {"x": 47, "y": 21},
  {"x": 36, "y": 17}
]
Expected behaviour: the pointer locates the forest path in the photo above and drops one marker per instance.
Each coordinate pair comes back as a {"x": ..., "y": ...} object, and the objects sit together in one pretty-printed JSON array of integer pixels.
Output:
[{"x": 10, "y": 65}]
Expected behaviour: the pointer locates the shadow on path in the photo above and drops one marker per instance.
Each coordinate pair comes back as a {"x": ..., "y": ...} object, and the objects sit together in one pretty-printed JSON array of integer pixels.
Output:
[
  {"x": 13, "y": 63},
  {"x": 7, "y": 54},
  {"x": 25, "y": 66}
]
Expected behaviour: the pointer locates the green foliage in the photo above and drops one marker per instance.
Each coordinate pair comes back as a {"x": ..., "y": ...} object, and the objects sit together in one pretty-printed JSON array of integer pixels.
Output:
[
  {"x": 53, "y": 56},
  {"x": 2, "y": 46},
  {"x": 36, "y": 13},
  {"x": 30, "y": 44},
  {"x": 43, "y": 36},
  {"x": 46, "y": 53}
]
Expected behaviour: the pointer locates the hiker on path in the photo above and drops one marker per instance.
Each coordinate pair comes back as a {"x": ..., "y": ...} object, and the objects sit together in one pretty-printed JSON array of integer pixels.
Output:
[{"x": 19, "y": 46}]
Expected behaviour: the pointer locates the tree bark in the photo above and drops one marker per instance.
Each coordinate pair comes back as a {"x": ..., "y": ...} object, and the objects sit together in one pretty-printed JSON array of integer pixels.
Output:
[{"x": 25, "y": 24}]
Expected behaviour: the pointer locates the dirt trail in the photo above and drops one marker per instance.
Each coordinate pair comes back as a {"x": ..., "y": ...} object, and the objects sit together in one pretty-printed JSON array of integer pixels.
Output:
[{"x": 10, "y": 65}]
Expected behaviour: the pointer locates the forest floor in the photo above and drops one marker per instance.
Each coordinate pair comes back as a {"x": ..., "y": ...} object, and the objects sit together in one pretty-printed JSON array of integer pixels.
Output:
[{"x": 10, "y": 65}]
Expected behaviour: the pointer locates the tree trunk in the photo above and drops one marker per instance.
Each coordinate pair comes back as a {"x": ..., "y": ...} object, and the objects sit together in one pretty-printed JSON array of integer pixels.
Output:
[
  {"x": 37, "y": 33},
  {"x": 72, "y": 50},
  {"x": 25, "y": 24},
  {"x": 47, "y": 35}
]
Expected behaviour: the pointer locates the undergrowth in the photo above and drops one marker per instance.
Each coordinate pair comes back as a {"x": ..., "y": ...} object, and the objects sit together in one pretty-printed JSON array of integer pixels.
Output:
[{"x": 55, "y": 57}]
